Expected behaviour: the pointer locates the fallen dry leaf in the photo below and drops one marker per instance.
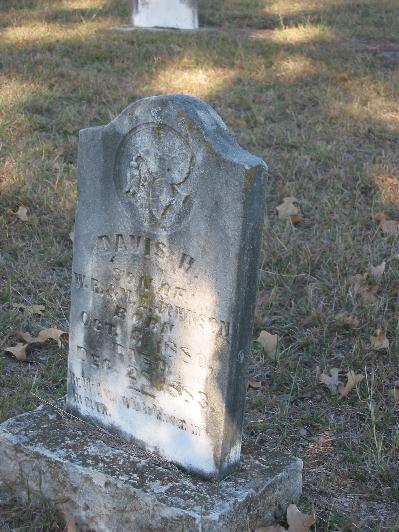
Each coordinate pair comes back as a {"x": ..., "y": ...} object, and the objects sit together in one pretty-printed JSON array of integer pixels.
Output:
[
  {"x": 346, "y": 320},
  {"x": 22, "y": 213},
  {"x": 257, "y": 385},
  {"x": 379, "y": 217},
  {"x": 70, "y": 523},
  {"x": 332, "y": 380},
  {"x": 296, "y": 218},
  {"x": 71, "y": 526},
  {"x": 288, "y": 208},
  {"x": 352, "y": 381},
  {"x": 51, "y": 334},
  {"x": 377, "y": 272},
  {"x": 343, "y": 77},
  {"x": 269, "y": 343},
  {"x": 19, "y": 351},
  {"x": 297, "y": 521},
  {"x": 379, "y": 341},
  {"x": 43, "y": 336},
  {"x": 388, "y": 227},
  {"x": 29, "y": 309},
  {"x": 366, "y": 292}
]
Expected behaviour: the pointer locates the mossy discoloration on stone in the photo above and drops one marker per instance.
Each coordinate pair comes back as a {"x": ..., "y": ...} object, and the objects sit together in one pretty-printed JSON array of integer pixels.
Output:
[
  {"x": 210, "y": 146},
  {"x": 249, "y": 177},
  {"x": 189, "y": 125}
]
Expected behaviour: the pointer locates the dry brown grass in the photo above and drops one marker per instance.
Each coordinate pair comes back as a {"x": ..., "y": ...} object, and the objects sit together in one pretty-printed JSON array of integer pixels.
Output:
[{"x": 302, "y": 85}]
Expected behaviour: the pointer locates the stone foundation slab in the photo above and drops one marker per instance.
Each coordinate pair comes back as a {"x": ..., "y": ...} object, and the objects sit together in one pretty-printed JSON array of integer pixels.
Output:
[{"x": 107, "y": 485}]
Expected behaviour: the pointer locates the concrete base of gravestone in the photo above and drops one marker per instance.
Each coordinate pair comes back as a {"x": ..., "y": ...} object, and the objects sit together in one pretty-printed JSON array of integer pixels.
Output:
[{"x": 108, "y": 485}]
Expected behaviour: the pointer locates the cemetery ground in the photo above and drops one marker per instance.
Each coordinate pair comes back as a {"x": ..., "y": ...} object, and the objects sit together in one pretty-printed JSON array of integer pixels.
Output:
[{"x": 309, "y": 87}]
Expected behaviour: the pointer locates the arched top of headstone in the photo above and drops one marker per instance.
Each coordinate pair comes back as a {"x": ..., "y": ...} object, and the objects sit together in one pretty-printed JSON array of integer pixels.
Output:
[
  {"x": 184, "y": 114},
  {"x": 160, "y": 147}
]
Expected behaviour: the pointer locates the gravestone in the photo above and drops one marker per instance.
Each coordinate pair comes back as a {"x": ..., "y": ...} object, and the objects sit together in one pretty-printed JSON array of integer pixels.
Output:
[
  {"x": 179, "y": 14},
  {"x": 167, "y": 239},
  {"x": 168, "y": 231}
]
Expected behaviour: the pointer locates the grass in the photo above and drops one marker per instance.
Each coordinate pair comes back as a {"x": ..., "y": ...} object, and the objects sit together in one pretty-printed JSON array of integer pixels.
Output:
[
  {"x": 301, "y": 84},
  {"x": 39, "y": 516}
]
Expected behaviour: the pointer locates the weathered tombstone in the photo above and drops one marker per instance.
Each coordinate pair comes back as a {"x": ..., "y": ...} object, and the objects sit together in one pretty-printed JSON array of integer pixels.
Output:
[
  {"x": 179, "y": 14},
  {"x": 167, "y": 241},
  {"x": 167, "y": 238}
]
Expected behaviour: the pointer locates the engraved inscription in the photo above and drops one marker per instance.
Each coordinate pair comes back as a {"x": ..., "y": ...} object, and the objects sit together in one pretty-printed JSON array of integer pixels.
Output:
[
  {"x": 137, "y": 245},
  {"x": 148, "y": 318},
  {"x": 143, "y": 328},
  {"x": 133, "y": 403}
]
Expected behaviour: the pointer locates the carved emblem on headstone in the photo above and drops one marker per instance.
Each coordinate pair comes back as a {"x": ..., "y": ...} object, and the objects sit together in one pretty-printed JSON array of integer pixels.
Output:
[{"x": 153, "y": 173}]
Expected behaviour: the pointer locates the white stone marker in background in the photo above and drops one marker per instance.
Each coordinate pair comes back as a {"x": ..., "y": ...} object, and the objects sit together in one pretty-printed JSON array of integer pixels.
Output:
[{"x": 179, "y": 14}]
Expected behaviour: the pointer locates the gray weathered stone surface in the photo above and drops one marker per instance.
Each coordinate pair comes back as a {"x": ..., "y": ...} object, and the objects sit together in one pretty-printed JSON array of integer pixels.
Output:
[
  {"x": 167, "y": 238},
  {"x": 180, "y": 14},
  {"x": 109, "y": 487}
]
